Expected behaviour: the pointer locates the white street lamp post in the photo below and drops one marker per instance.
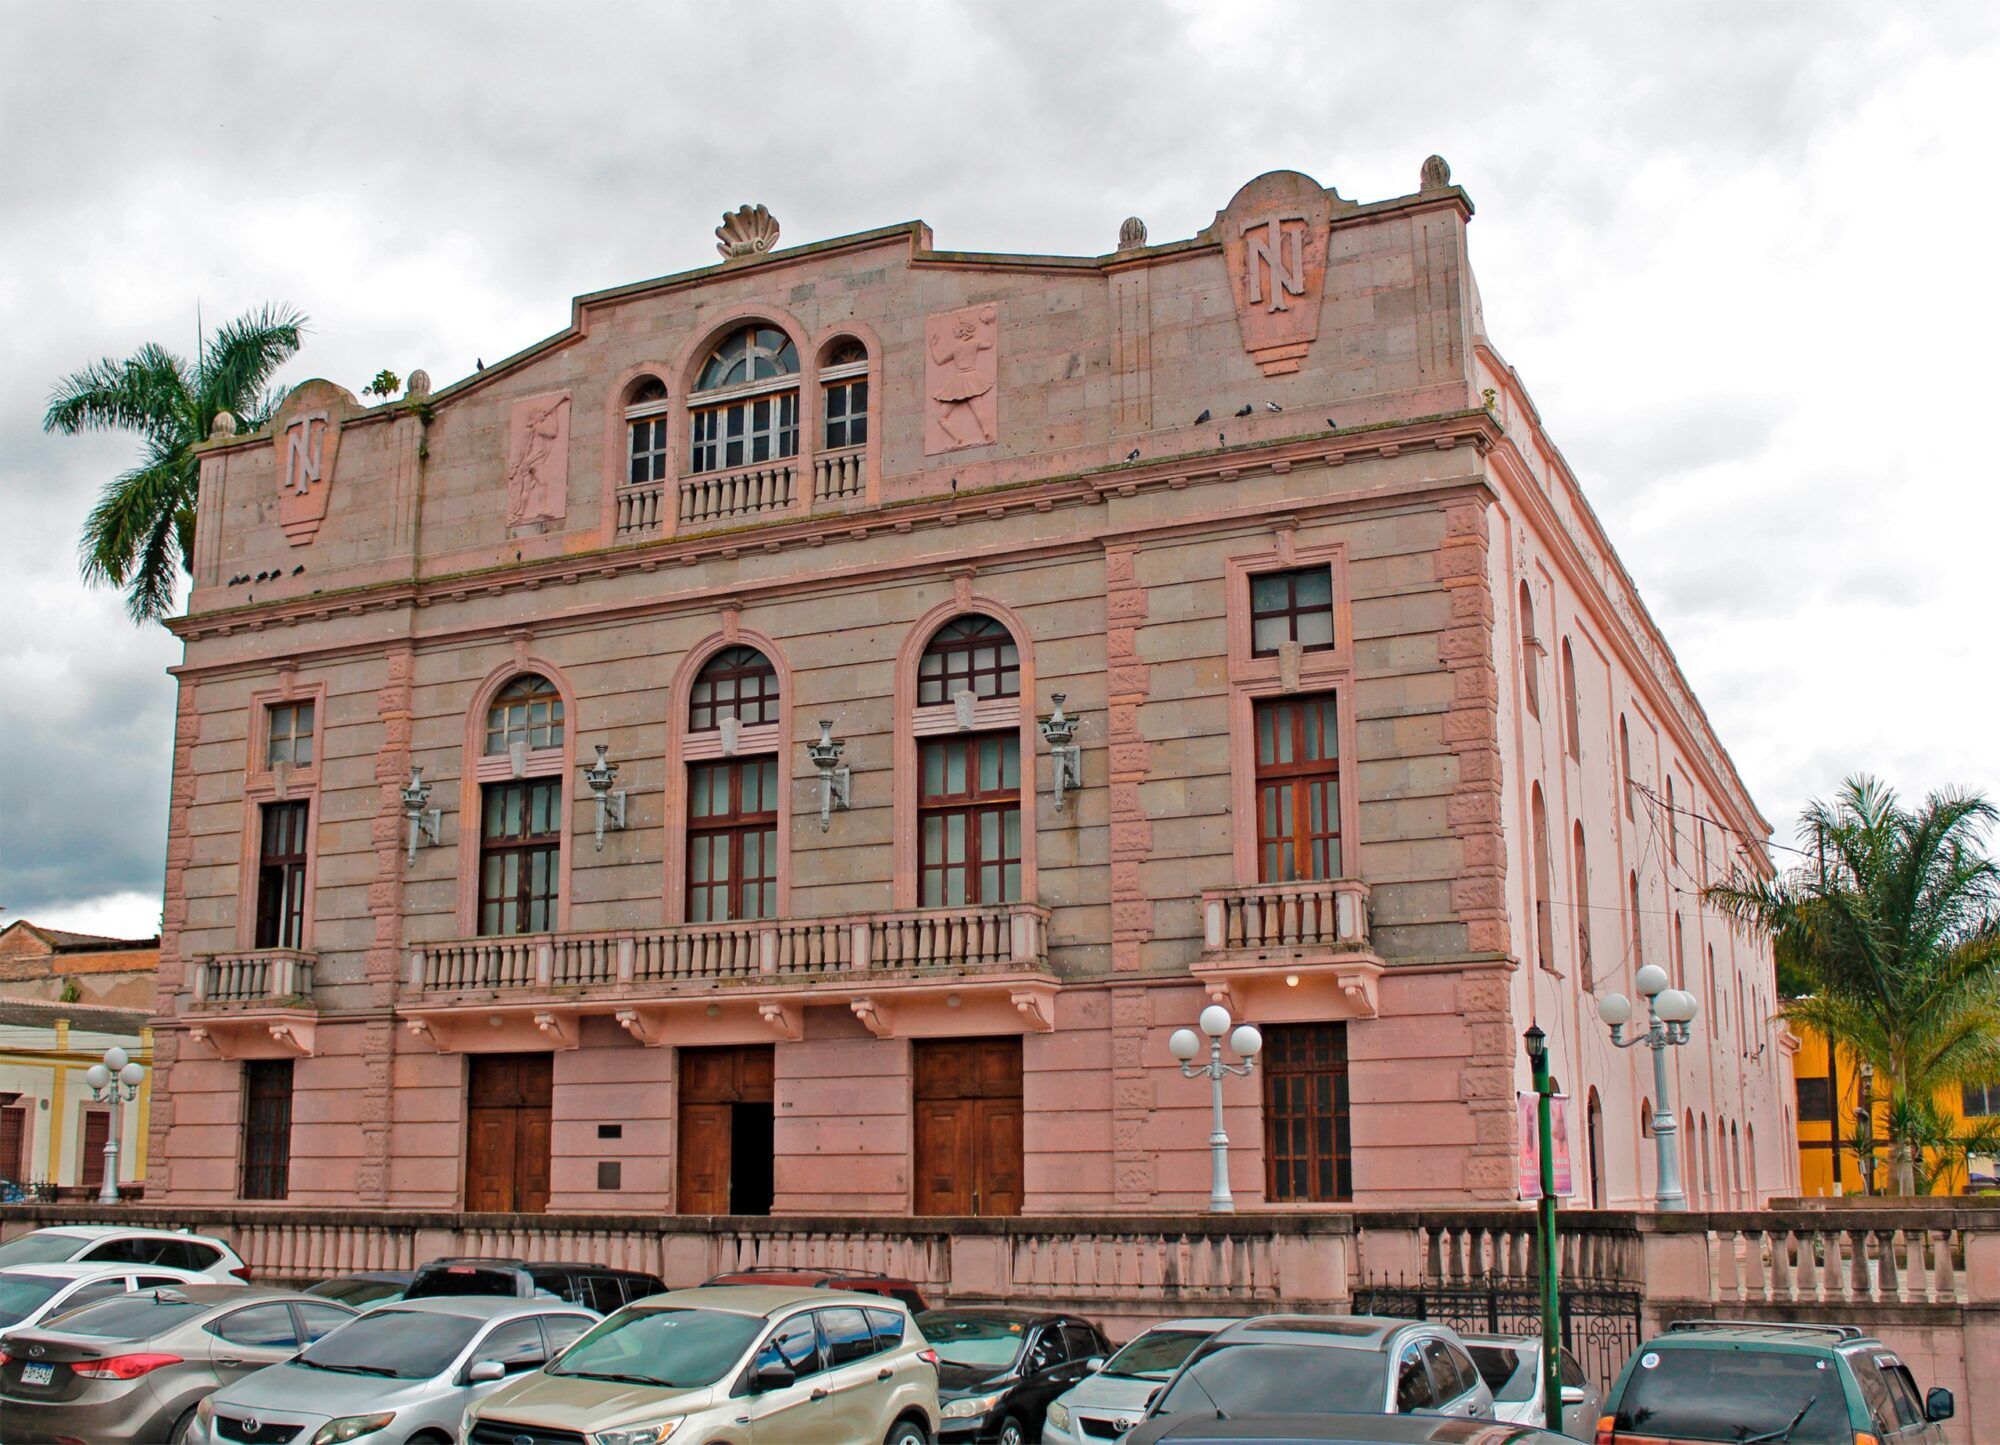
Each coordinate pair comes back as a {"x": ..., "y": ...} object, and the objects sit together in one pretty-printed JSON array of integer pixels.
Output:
[
  {"x": 117, "y": 1079},
  {"x": 1186, "y": 1044},
  {"x": 1671, "y": 1010}
]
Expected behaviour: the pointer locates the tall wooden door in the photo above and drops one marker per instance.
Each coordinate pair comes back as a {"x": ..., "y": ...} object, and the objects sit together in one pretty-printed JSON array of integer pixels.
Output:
[
  {"x": 13, "y": 1143},
  {"x": 725, "y": 1162},
  {"x": 96, "y": 1134},
  {"x": 968, "y": 1125},
  {"x": 507, "y": 1132}
]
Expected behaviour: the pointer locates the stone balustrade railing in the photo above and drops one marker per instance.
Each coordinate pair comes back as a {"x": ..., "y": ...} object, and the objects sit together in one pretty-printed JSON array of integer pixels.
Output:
[
  {"x": 641, "y": 510},
  {"x": 917, "y": 940},
  {"x": 264, "y": 975},
  {"x": 1318, "y": 914},
  {"x": 725, "y": 496},
  {"x": 1838, "y": 1258},
  {"x": 840, "y": 476}
]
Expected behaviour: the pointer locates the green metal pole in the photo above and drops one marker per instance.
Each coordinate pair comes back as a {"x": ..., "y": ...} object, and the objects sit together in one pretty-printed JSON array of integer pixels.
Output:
[{"x": 1545, "y": 1213}]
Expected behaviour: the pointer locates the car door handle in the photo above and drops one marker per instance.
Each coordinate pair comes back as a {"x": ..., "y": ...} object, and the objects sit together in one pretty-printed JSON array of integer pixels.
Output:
[
  {"x": 229, "y": 1364},
  {"x": 819, "y": 1393},
  {"x": 885, "y": 1373}
]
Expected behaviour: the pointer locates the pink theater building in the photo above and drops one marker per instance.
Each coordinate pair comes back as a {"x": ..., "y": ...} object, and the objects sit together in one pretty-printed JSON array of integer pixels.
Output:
[{"x": 1374, "y": 743}]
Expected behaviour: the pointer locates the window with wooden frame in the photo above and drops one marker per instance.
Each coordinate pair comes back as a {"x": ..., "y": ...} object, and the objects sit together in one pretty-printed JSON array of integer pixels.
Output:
[
  {"x": 267, "y": 1129},
  {"x": 974, "y": 654},
  {"x": 520, "y": 849},
  {"x": 1976, "y": 1101},
  {"x": 1538, "y": 815},
  {"x": 1673, "y": 824},
  {"x": 95, "y": 1134},
  {"x": 1625, "y": 761},
  {"x": 732, "y": 840},
  {"x": 969, "y": 820},
  {"x": 745, "y": 409},
  {"x": 527, "y": 710},
  {"x": 1632, "y": 906},
  {"x": 1580, "y": 903},
  {"x": 1298, "y": 788},
  {"x": 1308, "y": 1156},
  {"x": 13, "y": 1143},
  {"x": 737, "y": 682},
  {"x": 281, "y": 875},
  {"x": 1572, "y": 718},
  {"x": 288, "y": 737},
  {"x": 646, "y": 410},
  {"x": 1295, "y": 606},
  {"x": 1531, "y": 648},
  {"x": 844, "y": 394}
]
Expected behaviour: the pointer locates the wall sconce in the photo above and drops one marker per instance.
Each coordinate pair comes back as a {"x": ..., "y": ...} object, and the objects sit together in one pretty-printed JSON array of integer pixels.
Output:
[
  {"x": 1059, "y": 732},
  {"x": 424, "y": 822},
  {"x": 834, "y": 777},
  {"x": 610, "y": 801}
]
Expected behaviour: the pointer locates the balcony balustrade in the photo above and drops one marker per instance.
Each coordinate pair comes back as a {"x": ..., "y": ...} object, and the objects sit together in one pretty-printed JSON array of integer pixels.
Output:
[
  {"x": 256, "y": 1004},
  {"x": 726, "y": 496},
  {"x": 268, "y": 975},
  {"x": 641, "y": 510},
  {"x": 1269, "y": 947},
  {"x": 840, "y": 476}
]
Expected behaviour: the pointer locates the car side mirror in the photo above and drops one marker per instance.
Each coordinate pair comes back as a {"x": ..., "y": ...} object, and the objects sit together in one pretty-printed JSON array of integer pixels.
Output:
[
  {"x": 1094, "y": 1364},
  {"x": 1938, "y": 1405},
  {"x": 1572, "y": 1394},
  {"x": 774, "y": 1376},
  {"x": 484, "y": 1372},
  {"x": 1152, "y": 1395}
]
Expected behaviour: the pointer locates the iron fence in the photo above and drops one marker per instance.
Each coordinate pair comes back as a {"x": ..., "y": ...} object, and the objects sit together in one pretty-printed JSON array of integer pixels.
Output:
[{"x": 1599, "y": 1319}]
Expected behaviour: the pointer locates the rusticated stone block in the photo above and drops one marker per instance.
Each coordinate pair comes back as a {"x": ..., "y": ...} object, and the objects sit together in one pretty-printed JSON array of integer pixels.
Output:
[
  {"x": 1469, "y": 724},
  {"x": 1129, "y": 759},
  {"x": 1482, "y": 993},
  {"x": 1130, "y": 681},
  {"x": 1132, "y": 1094},
  {"x": 1486, "y": 935},
  {"x": 1467, "y": 808},
  {"x": 1130, "y": 1008},
  {"x": 1128, "y": 918}
]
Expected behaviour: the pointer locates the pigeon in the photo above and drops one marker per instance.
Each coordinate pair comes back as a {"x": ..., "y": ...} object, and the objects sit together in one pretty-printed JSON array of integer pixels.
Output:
[
  {"x": 480, "y": 362},
  {"x": 262, "y": 575},
  {"x": 1272, "y": 406},
  {"x": 1133, "y": 455},
  {"x": 1332, "y": 424},
  {"x": 954, "y": 484},
  {"x": 1245, "y": 409},
  {"x": 1222, "y": 438},
  {"x": 1203, "y": 417},
  {"x": 298, "y": 569}
]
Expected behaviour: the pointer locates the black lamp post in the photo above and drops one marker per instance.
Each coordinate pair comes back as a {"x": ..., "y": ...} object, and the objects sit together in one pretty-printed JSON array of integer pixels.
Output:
[{"x": 1545, "y": 1229}]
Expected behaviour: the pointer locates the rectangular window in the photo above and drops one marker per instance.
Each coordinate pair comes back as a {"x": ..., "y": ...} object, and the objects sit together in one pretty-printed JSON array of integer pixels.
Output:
[
  {"x": 746, "y": 433},
  {"x": 1291, "y": 607},
  {"x": 649, "y": 450},
  {"x": 281, "y": 876},
  {"x": 1981, "y": 1101},
  {"x": 267, "y": 1128},
  {"x": 1298, "y": 788},
  {"x": 520, "y": 846},
  {"x": 1307, "y": 1154},
  {"x": 732, "y": 846},
  {"x": 969, "y": 820},
  {"x": 290, "y": 735},
  {"x": 847, "y": 413},
  {"x": 1815, "y": 1103}
]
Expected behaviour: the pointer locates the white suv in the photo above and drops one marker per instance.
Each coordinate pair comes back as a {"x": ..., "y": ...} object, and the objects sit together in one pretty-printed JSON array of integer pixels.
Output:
[{"x": 117, "y": 1244}]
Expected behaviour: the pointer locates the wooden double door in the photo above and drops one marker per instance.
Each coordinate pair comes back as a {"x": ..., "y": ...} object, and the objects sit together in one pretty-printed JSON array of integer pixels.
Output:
[
  {"x": 507, "y": 1132},
  {"x": 968, "y": 1125},
  {"x": 725, "y": 1164}
]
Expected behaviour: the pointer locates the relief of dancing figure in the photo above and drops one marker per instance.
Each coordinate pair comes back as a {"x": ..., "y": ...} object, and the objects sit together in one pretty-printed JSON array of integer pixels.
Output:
[{"x": 961, "y": 378}]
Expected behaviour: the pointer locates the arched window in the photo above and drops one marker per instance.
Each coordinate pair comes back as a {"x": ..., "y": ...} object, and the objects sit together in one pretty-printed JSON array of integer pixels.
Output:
[
  {"x": 1756, "y": 1200},
  {"x": 1632, "y": 908},
  {"x": 843, "y": 376},
  {"x": 527, "y": 710},
  {"x": 745, "y": 407},
  {"x": 1580, "y": 903},
  {"x": 737, "y": 682},
  {"x": 1645, "y": 1118},
  {"x": 520, "y": 818},
  {"x": 1625, "y": 761},
  {"x": 646, "y": 408},
  {"x": 1680, "y": 961},
  {"x": 1545, "y": 953},
  {"x": 1736, "y": 1166},
  {"x": 1572, "y": 724},
  {"x": 974, "y": 654},
  {"x": 1714, "y": 999},
  {"x": 732, "y": 800},
  {"x": 1673, "y": 824},
  {"x": 969, "y": 783},
  {"x": 1593, "y": 1126},
  {"x": 1530, "y": 651}
]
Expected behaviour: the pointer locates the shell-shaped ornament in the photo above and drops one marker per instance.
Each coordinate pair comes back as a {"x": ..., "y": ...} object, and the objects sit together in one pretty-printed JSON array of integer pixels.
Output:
[{"x": 746, "y": 231}]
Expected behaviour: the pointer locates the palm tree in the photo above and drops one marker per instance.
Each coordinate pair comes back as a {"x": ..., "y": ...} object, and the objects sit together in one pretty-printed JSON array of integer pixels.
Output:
[
  {"x": 1894, "y": 922},
  {"x": 143, "y": 522}
]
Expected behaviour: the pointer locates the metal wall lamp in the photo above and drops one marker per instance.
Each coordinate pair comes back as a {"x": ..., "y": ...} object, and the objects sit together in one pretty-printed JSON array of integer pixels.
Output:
[
  {"x": 835, "y": 779},
  {"x": 425, "y": 823},
  {"x": 610, "y": 801},
  {"x": 1059, "y": 732}
]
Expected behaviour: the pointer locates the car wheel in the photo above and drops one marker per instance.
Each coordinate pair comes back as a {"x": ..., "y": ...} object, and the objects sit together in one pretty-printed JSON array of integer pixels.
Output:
[
  {"x": 183, "y": 1427},
  {"x": 1011, "y": 1433},
  {"x": 907, "y": 1432}
]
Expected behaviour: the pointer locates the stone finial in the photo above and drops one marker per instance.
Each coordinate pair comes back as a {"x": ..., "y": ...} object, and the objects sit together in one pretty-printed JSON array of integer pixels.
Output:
[
  {"x": 1132, "y": 235},
  {"x": 746, "y": 231},
  {"x": 1436, "y": 174},
  {"x": 222, "y": 428},
  {"x": 418, "y": 386}
]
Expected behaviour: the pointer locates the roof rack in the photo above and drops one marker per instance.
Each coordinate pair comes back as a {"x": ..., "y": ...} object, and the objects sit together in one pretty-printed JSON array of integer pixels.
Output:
[
  {"x": 826, "y": 1269},
  {"x": 1844, "y": 1332}
]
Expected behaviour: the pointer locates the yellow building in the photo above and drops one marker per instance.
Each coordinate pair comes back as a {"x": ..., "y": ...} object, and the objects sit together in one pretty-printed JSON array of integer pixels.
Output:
[{"x": 1829, "y": 1079}]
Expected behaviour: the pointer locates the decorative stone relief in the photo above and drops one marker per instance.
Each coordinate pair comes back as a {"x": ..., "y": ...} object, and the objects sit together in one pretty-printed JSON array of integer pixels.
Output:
[
  {"x": 538, "y": 460},
  {"x": 746, "y": 231},
  {"x": 306, "y": 438},
  {"x": 961, "y": 374},
  {"x": 1274, "y": 240}
]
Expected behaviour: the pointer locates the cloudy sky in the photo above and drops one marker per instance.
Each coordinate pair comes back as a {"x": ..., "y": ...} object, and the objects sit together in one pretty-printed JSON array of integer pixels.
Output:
[{"x": 1741, "y": 253}]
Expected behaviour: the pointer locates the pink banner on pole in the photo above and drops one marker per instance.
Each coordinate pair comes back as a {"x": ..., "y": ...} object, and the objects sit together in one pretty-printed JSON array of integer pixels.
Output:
[{"x": 1530, "y": 1158}]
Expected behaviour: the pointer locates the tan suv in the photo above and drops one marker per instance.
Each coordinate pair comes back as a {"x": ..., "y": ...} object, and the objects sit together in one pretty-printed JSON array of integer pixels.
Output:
[{"x": 735, "y": 1364}]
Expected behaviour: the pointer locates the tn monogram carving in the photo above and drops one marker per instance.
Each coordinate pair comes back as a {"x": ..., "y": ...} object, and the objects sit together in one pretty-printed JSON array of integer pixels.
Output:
[
  {"x": 306, "y": 441},
  {"x": 1274, "y": 241}
]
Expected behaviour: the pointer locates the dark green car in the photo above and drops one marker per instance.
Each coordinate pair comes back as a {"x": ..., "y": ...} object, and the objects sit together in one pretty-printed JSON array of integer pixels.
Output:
[{"x": 1749, "y": 1382}]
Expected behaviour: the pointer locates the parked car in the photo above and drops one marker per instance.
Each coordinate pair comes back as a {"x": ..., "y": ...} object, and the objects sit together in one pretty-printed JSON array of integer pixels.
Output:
[
  {"x": 365, "y": 1289},
  {"x": 400, "y": 1373},
  {"x": 855, "y": 1281},
  {"x": 1000, "y": 1369},
  {"x": 1744, "y": 1380},
  {"x": 1326, "y": 1364},
  {"x": 711, "y": 1364},
  {"x": 136, "y": 1366},
  {"x": 591, "y": 1285},
  {"x": 115, "y": 1244},
  {"x": 1107, "y": 1402},
  {"x": 31, "y": 1293},
  {"x": 1511, "y": 1365},
  {"x": 1340, "y": 1429}
]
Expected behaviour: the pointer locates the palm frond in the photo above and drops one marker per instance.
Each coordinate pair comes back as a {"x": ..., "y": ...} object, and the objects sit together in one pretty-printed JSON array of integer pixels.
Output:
[
  {"x": 243, "y": 355},
  {"x": 147, "y": 393}
]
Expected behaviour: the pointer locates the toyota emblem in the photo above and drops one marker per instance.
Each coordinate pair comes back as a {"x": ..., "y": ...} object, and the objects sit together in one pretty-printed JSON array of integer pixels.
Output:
[
  {"x": 250, "y": 1424},
  {"x": 1121, "y": 1425},
  {"x": 522, "y": 1440},
  {"x": 35, "y": 1352}
]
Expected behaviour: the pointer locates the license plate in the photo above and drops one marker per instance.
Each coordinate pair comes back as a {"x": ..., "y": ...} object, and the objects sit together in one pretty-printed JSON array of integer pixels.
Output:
[{"x": 37, "y": 1374}]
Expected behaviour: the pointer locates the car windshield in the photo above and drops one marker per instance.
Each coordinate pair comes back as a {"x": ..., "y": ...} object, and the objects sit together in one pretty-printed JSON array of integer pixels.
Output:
[
  {"x": 1735, "y": 1395},
  {"x": 133, "y": 1316},
  {"x": 1155, "y": 1354},
  {"x": 22, "y": 1294},
  {"x": 677, "y": 1348},
  {"x": 463, "y": 1279},
  {"x": 1261, "y": 1379},
  {"x": 357, "y": 1292},
  {"x": 42, "y": 1247},
  {"x": 1508, "y": 1370},
  {"x": 398, "y": 1344},
  {"x": 988, "y": 1342}
]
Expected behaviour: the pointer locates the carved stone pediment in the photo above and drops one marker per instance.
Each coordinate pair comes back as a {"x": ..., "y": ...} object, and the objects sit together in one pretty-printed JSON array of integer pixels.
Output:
[
  {"x": 306, "y": 436},
  {"x": 1274, "y": 235}
]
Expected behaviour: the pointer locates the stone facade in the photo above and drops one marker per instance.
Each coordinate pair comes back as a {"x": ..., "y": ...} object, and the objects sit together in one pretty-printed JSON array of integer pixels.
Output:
[{"x": 1101, "y": 455}]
